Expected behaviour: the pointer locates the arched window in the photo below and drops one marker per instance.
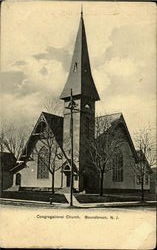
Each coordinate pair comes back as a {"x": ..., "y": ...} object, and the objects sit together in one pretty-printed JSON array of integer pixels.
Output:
[
  {"x": 18, "y": 179},
  {"x": 146, "y": 179},
  {"x": 66, "y": 170},
  {"x": 117, "y": 167},
  {"x": 43, "y": 160},
  {"x": 75, "y": 67},
  {"x": 40, "y": 127}
]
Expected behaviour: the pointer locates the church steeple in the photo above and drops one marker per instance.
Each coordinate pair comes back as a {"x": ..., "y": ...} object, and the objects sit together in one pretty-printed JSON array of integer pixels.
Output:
[
  {"x": 80, "y": 78},
  {"x": 80, "y": 81},
  {"x": 81, "y": 11}
]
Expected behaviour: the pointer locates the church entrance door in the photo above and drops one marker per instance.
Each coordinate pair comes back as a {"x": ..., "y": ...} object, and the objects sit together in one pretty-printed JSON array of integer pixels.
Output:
[
  {"x": 67, "y": 174},
  {"x": 68, "y": 180}
]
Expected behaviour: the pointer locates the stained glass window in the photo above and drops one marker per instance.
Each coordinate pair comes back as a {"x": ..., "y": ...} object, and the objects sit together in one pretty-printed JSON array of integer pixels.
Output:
[
  {"x": 43, "y": 159},
  {"x": 117, "y": 167},
  {"x": 145, "y": 179}
]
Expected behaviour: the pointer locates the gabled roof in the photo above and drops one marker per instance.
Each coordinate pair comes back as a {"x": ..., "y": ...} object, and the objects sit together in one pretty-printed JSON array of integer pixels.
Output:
[
  {"x": 113, "y": 117},
  {"x": 80, "y": 78},
  {"x": 54, "y": 122},
  {"x": 110, "y": 119},
  {"x": 117, "y": 120},
  {"x": 66, "y": 162}
]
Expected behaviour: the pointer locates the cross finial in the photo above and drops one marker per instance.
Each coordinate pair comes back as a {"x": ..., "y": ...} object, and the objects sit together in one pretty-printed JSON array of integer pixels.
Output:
[{"x": 81, "y": 10}]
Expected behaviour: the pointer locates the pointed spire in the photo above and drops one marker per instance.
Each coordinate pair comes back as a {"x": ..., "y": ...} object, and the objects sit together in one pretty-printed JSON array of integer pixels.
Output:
[
  {"x": 80, "y": 78},
  {"x": 81, "y": 10}
]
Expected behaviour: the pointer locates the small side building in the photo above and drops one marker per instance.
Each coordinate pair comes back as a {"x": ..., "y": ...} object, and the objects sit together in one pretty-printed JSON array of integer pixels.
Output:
[{"x": 7, "y": 161}]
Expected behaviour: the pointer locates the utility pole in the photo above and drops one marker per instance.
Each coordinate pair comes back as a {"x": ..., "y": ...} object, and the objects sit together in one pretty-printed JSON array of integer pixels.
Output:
[
  {"x": 71, "y": 106},
  {"x": 72, "y": 148}
]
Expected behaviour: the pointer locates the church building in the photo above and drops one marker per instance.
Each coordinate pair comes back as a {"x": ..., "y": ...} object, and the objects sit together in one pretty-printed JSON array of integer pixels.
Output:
[{"x": 46, "y": 157}]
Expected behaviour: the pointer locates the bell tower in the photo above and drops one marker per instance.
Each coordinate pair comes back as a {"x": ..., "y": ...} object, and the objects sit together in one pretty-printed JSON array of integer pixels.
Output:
[{"x": 84, "y": 92}]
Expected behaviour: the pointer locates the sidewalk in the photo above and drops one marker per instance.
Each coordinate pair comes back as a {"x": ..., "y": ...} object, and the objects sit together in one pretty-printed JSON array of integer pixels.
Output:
[
  {"x": 75, "y": 201},
  {"x": 6, "y": 201},
  {"x": 18, "y": 202}
]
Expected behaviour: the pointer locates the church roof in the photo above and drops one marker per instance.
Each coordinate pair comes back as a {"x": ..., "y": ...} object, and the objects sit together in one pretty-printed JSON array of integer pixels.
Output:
[
  {"x": 80, "y": 78},
  {"x": 54, "y": 122},
  {"x": 110, "y": 118},
  {"x": 115, "y": 120}
]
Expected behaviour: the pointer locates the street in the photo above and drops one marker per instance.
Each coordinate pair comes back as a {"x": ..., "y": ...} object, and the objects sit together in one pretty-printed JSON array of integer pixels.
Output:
[{"x": 34, "y": 207}]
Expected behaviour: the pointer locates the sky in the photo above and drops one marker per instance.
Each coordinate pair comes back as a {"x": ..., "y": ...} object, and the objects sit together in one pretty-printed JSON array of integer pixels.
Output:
[{"x": 37, "y": 41}]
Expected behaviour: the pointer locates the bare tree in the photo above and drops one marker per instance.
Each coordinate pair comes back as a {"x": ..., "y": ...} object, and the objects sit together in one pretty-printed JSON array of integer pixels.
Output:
[
  {"x": 48, "y": 141},
  {"x": 146, "y": 148},
  {"x": 55, "y": 152},
  {"x": 102, "y": 148},
  {"x": 52, "y": 105},
  {"x": 12, "y": 139}
]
